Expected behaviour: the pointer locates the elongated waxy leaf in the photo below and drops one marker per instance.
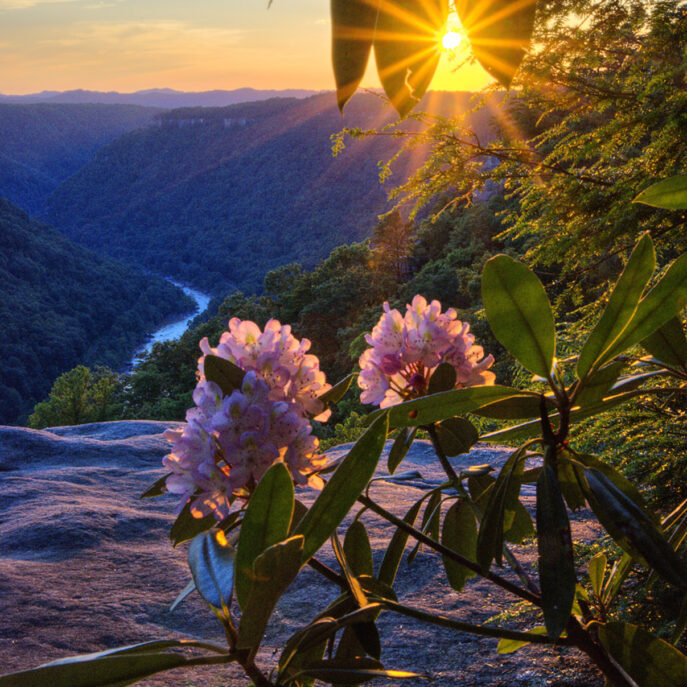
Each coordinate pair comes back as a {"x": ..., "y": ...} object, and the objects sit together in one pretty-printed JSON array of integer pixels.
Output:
[
  {"x": 621, "y": 305},
  {"x": 400, "y": 447},
  {"x": 352, "y": 670},
  {"x": 156, "y": 489},
  {"x": 648, "y": 660},
  {"x": 519, "y": 526},
  {"x": 273, "y": 571},
  {"x": 499, "y": 32},
  {"x": 225, "y": 374},
  {"x": 357, "y": 549},
  {"x": 190, "y": 587},
  {"x": 668, "y": 344},
  {"x": 660, "y": 305},
  {"x": 597, "y": 573},
  {"x": 499, "y": 511},
  {"x": 568, "y": 482},
  {"x": 186, "y": 527},
  {"x": 108, "y": 671},
  {"x": 338, "y": 391},
  {"x": 456, "y": 436},
  {"x": 406, "y": 45},
  {"x": 265, "y": 523},
  {"x": 442, "y": 379},
  {"x": 515, "y": 408},
  {"x": 633, "y": 530},
  {"x": 359, "y": 640},
  {"x": 618, "y": 479},
  {"x": 459, "y": 533},
  {"x": 437, "y": 407},
  {"x": 598, "y": 384},
  {"x": 669, "y": 194},
  {"x": 353, "y": 585},
  {"x": 509, "y": 646},
  {"x": 353, "y": 23},
  {"x": 519, "y": 313},
  {"x": 211, "y": 559},
  {"x": 394, "y": 552},
  {"x": 343, "y": 488},
  {"x": 556, "y": 564}
]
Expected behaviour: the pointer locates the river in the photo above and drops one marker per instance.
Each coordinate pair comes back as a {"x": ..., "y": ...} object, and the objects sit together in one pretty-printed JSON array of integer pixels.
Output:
[{"x": 173, "y": 330}]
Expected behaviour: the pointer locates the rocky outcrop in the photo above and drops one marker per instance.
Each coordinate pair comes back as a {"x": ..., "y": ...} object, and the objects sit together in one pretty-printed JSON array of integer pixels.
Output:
[{"x": 85, "y": 564}]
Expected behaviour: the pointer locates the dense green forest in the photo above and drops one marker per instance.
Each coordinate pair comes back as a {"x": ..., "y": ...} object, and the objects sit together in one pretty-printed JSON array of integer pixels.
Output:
[
  {"x": 219, "y": 196},
  {"x": 61, "y": 305},
  {"x": 43, "y": 144}
]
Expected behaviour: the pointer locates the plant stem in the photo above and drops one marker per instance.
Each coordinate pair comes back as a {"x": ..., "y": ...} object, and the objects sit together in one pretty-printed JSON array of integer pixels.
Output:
[
  {"x": 327, "y": 572},
  {"x": 450, "y": 553},
  {"x": 445, "y": 464},
  {"x": 495, "y": 632}
]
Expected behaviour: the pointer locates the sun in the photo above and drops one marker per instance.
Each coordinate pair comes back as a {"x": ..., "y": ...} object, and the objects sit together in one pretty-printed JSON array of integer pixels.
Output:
[{"x": 451, "y": 40}]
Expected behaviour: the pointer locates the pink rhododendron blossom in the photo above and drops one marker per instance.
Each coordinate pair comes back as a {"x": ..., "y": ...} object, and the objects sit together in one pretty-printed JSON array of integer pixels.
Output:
[
  {"x": 229, "y": 442},
  {"x": 279, "y": 358},
  {"x": 406, "y": 350}
]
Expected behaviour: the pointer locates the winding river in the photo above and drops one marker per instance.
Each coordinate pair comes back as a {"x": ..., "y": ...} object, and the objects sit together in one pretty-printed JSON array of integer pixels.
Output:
[{"x": 173, "y": 330}]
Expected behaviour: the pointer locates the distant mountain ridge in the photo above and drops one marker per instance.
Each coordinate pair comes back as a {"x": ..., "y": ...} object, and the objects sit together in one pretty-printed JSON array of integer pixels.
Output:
[
  {"x": 158, "y": 97},
  {"x": 222, "y": 195},
  {"x": 43, "y": 144}
]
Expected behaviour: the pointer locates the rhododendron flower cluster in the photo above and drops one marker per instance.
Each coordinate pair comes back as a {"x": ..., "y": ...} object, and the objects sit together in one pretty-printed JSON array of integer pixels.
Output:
[
  {"x": 406, "y": 351},
  {"x": 229, "y": 442},
  {"x": 292, "y": 374}
]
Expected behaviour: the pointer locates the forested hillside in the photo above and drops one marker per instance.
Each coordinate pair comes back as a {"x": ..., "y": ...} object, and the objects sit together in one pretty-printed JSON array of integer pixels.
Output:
[
  {"x": 42, "y": 144},
  {"x": 61, "y": 305},
  {"x": 219, "y": 196}
]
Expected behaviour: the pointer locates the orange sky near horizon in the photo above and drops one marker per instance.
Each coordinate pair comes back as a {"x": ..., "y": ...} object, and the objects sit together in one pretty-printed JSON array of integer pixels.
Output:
[{"x": 130, "y": 45}]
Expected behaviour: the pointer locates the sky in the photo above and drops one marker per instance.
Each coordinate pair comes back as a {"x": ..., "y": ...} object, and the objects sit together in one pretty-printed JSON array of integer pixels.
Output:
[{"x": 191, "y": 45}]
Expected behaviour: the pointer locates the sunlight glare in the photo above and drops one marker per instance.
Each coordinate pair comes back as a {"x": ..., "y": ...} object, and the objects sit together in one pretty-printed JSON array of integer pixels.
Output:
[{"x": 451, "y": 40}]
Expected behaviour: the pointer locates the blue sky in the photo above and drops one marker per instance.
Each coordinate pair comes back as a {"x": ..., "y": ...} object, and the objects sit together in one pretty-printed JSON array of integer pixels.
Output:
[{"x": 128, "y": 45}]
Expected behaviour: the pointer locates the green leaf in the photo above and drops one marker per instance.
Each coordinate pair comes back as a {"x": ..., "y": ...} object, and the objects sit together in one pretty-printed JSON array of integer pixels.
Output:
[
  {"x": 157, "y": 489},
  {"x": 211, "y": 559},
  {"x": 499, "y": 32},
  {"x": 668, "y": 344},
  {"x": 660, "y": 305},
  {"x": 353, "y": 585},
  {"x": 509, "y": 646},
  {"x": 621, "y": 305},
  {"x": 186, "y": 527},
  {"x": 338, "y": 391},
  {"x": 190, "y": 587},
  {"x": 456, "y": 436},
  {"x": 353, "y": 23},
  {"x": 499, "y": 510},
  {"x": 394, "y": 552},
  {"x": 430, "y": 520},
  {"x": 568, "y": 481},
  {"x": 352, "y": 671},
  {"x": 598, "y": 384},
  {"x": 406, "y": 48},
  {"x": 515, "y": 408},
  {"x": 668, "y": 194},
  {"x": 519, "y": 313},
  {"x": 442, "y": 379},
  {"x": 359, "y": 640},
  {"x": 633, "y": 530},
  {"x": 400, "y": 447},
  {"x": 225, "y": 374},
  {"x": 343, "y": 488},
  {"x": 357, "y": 549},
  {"x": 114, "y": 668},
  {"x": 556, "y": 564},
  {"x": 273, "y": 571},
  {"x": 648, "y": 660},
  {"x": 437, "y": 407},
  {"x": 597, "y": 573},
  {"x": 459, "y": 533},
  {"x": 265, "y": 523}
]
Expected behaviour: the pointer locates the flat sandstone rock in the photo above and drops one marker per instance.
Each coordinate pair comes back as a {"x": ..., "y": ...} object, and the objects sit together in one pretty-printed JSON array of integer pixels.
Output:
[{"x": 86, "y": 565}]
